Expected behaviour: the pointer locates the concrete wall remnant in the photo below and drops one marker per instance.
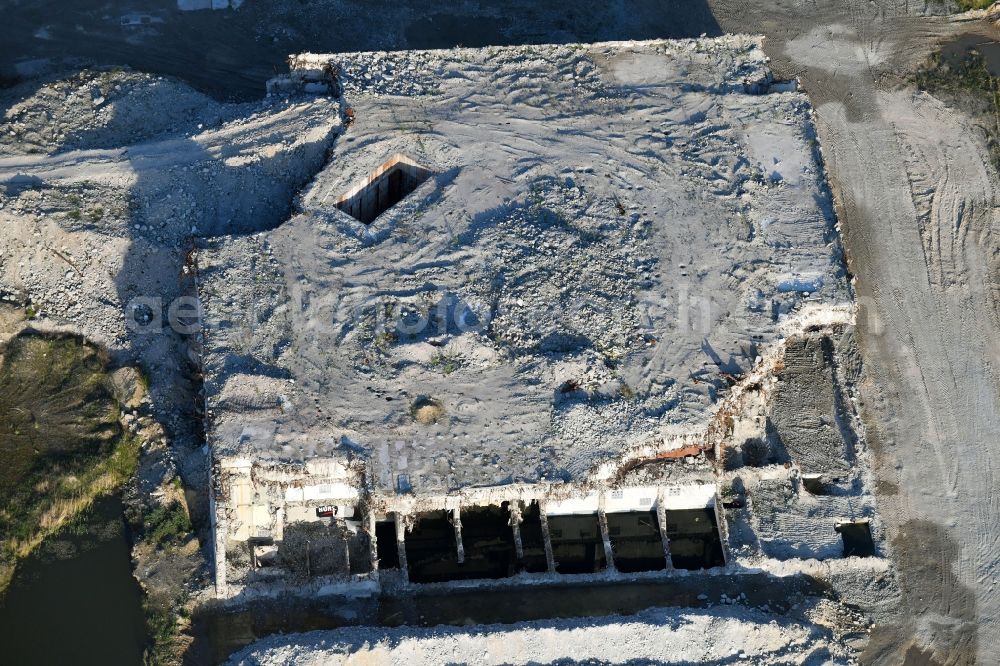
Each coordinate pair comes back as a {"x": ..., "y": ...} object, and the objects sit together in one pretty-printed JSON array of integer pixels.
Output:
[
  {"x": 308, "y": 73},
  {"x": 319, "y": 521}
]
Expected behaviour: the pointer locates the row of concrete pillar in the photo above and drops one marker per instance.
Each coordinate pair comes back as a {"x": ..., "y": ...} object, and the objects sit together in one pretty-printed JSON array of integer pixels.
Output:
[{"x": 515, "y": 521}]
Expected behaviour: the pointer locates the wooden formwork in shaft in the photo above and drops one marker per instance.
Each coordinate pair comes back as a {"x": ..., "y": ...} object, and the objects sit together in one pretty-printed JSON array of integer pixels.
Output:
[{"x": 383, "y": 188}]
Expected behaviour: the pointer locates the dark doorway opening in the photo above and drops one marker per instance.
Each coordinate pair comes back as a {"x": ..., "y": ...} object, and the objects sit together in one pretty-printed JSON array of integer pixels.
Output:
[
  {"x": 577, "y": 544},
  {"x": 488, "y": 542},
  {"x": 384, "y": 188},
  {"x": 385, "y": 544},
  {"x": 431, "y": 554},
  {"x": 857, "y": 538},
  {"x": 694, "y": 539},
  {"x": 814, "y": 484},
  {"x": 636, "y": 542},
  {"x": 532, "y": 540}
]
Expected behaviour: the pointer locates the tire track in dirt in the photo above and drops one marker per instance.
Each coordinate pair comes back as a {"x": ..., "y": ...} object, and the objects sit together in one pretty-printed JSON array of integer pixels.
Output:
[
  {"x": 913, "y": 423},
  {"x": 933, "y": 352}
]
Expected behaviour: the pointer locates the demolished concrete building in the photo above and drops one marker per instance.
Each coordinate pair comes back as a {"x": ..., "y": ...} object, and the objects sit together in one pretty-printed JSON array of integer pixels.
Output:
[{"x": 548, "y": 310}]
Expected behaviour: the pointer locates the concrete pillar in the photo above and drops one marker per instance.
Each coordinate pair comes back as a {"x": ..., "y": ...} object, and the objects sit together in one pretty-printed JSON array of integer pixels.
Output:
[
  {"x": 515, "y": 528},
  {"x": 219, "y": 551},
  {"x": 661, "y": 520},
  {"x": 550, "y": 559},
  {"x": 347, "y": 556},
  {"x": 279, "y": 524},
  {"x": 372, "y": 542},
  {"x": 401, "y": 545},
  {"x": 456, "y": 518},
  {"x": 602, "y": 520},
  {"x": 722, "y": 526}
]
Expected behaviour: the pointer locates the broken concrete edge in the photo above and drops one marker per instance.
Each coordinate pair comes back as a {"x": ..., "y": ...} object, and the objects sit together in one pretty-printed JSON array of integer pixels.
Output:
[
  {"x": 346, "y": 485},
  {"x": 687, "y": 442},
  {"x": 306, "y": 74},
  {"x": 554, "y": 500},
  {"x": 322, "y": 73}
]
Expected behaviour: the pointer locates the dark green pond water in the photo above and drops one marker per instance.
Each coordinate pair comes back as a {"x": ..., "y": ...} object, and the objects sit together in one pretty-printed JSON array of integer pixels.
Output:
[
  {"x": 957, "y": 49},
  {"x": 75, "y": 601}
]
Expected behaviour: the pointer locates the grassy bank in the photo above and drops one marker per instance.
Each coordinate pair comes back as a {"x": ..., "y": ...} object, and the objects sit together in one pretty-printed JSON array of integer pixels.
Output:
[
  {"x": 966, "y": 5},
  {"x": 61, "y": 445},
  {"x": 960, "y": 6},
  {"x": 963, "y": 80}
]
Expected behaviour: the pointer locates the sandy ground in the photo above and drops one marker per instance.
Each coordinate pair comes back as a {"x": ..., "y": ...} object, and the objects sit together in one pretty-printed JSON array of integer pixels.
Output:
[{"x": 917, "y": 205}]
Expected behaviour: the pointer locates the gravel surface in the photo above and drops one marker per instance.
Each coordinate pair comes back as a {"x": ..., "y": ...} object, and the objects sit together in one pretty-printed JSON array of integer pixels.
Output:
[{"x": 615, "y": 238}]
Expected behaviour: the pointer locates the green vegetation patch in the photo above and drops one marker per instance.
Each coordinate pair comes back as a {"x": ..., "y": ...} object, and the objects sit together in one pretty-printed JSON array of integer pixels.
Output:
[
  {"x": 61, "y": 445},
  {"x": 962, "y": 79},
  {"x": 966, "y": 5},
  {"x": 167, "y": 523}
]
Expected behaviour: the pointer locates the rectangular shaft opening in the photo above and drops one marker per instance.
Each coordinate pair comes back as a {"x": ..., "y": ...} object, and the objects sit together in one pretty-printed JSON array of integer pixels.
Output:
[
  {"x": 694, "y": 539},
  {"x": 636, "y": 542},
  {"x": 389, "y": 184},
  {"x": 532, "y": 540},
  {"x": 857, "y": 537}
]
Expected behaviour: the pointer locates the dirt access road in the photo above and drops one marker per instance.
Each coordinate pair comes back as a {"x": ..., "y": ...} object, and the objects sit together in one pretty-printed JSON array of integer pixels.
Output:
[{"x": 918, "y": 208}]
